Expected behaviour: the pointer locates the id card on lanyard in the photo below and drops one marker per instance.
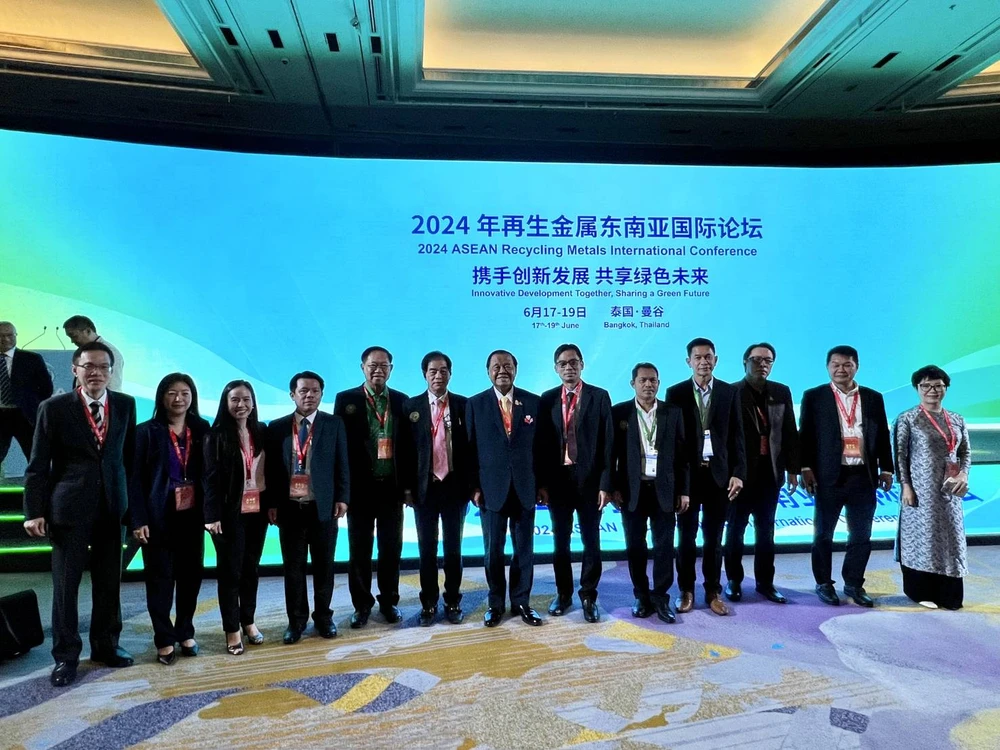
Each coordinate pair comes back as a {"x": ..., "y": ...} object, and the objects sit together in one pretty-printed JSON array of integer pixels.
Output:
[
  {"x": 852, "y": 443},
  {"x": 251, "y": 495},
  {"x": 100, "y": 433},
  {"x": 299, "y": 485},
  {"x": 384, "y": 445},
  {"x": 649, "y": 450},
  {"x": 951, "y": 467},
  {"x": 183, "y": 492}
]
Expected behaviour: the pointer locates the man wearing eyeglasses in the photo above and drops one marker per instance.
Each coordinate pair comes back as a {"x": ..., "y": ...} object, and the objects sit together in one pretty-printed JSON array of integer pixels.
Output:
[
  {"x": 75, "y": 492},
  {"x": 372, "y": 415},
  {"x": 846, "y": 457},
  {"x": 575, "y": 437},
  {"x": 772, "y": 445}
]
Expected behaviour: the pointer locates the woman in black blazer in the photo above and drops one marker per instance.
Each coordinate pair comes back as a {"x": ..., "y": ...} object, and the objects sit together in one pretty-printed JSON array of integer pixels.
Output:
[
  {"x": 165, "y": 499},
  {"x": 234, "y": 479}
]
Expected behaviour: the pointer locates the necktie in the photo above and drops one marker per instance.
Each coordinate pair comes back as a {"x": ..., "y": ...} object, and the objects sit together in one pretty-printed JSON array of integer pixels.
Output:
[
  {"x": 95, "y": 412},
  {"x": 570, "y": 435},
  {"x": 508, "y": 414},
  {"x": 303, "y": 436},
  {"x": 6, "y": 390},
  {"x": 440, "y": 443}
]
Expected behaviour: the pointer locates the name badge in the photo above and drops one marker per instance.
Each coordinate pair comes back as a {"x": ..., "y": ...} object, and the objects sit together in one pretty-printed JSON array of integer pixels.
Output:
[
  {"x": 706, "y": 451},
  {"x": 650, "y": 470},
  {"x": 184, "y": 497},
  {"x": 384, "y": 448},
  {"x": 299, "y": 486},
  {"x": 765, "y": 445},
  {"x": 951, "y": 469},
  {"x": 852, "y": 447},
  {"x": 251, "y": 501}
]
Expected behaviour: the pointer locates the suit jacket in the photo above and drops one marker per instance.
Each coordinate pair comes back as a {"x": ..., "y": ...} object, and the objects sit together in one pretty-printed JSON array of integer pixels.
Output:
[
  {"x": 822, "y": 441},
  {"x": 783, "y": 435},
  {"x": 352, "y": 407},
  {"x": 224, "y": 479},
  {"x": 673, "y": 471},
  {"x": 69, "y": 476},
  {"x": 30, "y": 381},
  {"x": 418, "y": 444},
  {"x": 329, "y": 466},
  {"x": 594, "y": 438},
  {"x": 498, "y": 462},
  {"x": 150, "y": 496},
  {"x": 726, "y": 426}
]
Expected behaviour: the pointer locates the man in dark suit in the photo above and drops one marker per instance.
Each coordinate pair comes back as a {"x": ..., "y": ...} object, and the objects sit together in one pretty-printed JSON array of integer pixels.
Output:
[
  {"x": 717, "y": 456},
  {"x": 373, "y": 415},
  {"x": 308, "y": 490},
  {"x": 846, "y": 456},
  {"x": 651, "y": 477},
  {"x": 24, "y": 383},
  {"x": 574, "y": 474},
  {"x": 436, "y": 483},
  {"x": 772, "y": 443},
  {"x": 501, "y": 422},
  {"x": 76, "y": 491}
]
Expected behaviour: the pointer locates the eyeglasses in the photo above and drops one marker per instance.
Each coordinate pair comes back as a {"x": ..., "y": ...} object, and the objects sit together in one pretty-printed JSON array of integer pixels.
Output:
[
  {"x": 377, "y": 366},
  {"x": 562, "y": 364},
  {"x": 88, "y": 368},
  {"x": 762, "y": 361},
  {"x": 928, "y": 387}
]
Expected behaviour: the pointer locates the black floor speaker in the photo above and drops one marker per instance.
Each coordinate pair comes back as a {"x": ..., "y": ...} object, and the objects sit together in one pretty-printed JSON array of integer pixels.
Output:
[{"x": 20, "y": 624}]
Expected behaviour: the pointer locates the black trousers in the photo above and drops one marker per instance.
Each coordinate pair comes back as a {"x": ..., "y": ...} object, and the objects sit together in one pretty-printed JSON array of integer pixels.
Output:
[
  {"x": 853, "y": 492},
  {"x": 648, "y": 511},
  {"x": 565, "y": 497},
  {"x": 302, "y": 533},
  {"x": 69, "y": 558},
  {"x": 713, "y": 502},
  {"x": 13, "y": 424},
  {"x": 382, "y": 513},
  {"x": 238, "y": 549},
  {"x": 445, "y": 503},
  {"x": 173, "y": 559},
  {"x": 759, "y": 498},
  {"x": 521, "y": 522}
]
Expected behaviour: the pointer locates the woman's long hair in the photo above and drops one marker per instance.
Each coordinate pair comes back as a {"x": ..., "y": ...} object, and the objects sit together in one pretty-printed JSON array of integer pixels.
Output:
[
  {"x": 160, "y": 413},
  {"x": 225, "y": 425}
]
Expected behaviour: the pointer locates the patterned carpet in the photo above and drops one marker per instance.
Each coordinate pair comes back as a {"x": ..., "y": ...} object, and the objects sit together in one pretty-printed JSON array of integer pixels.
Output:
[{"x": 803, "y": 675}]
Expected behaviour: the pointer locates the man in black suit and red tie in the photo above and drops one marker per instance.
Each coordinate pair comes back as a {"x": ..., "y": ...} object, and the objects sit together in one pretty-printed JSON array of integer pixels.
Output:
[
  {"x": 436, "y": 484},
  {"x": 651, "y": 476},
  {"x": 772, "y": 443},
  {"x": 308, "y": 489},
  {"x": 373, "y": 415},
  {"x": 24, "y": 383},
  {"x": 846, "y": 457},
  {"x": 574, "y": 474},
  {"x": 501, "y": 422},
  {"x": 714, "y": 426},
  {"x": 76, "y": 492}
]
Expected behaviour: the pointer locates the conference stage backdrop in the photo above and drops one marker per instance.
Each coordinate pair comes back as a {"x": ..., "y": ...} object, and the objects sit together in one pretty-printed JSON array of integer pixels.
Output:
[{"x": 229, "y": 265}]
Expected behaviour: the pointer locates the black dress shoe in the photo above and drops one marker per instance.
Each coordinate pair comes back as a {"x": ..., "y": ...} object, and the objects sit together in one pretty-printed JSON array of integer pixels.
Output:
[
  {"x": 189, "y": 650},
  {"x": 64, "y": 674},
  {"x": 455, "y": 615},
  {"x": 292, "y": 635},
  {"x": 115, "y": 658},
  {"x": 427, "y": 616},
  {"x": 773, "y": 595},
  {"x": 734, "y": 591},
  {"x": 590, "y": 611},
  {"x": 560, "y": 605},
  {"x": 391, "y": 614},
  {"x": 326, "y": 629},
  {"x": 528, "y": 615},
  {"x": 859, "y": 595},
  {"x": 167, "y": 659},
  {"x": 642, "y": 608},
  {"x": 360, "y": 618},
  {"x": 664, "y": 612},
  {"x": 827, "y": 594},
  {"x": 492, "y": 617}
]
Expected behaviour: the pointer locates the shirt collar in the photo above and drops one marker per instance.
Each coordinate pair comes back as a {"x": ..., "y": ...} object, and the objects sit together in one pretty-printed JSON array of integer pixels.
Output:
[
  {"x": 849, "y": 393},
  {"x": 501, "y": 397},
  {"x": 707, "y": 389},
  {"x": 103, "y": 400},
  {"x": 370, "y": 392},
  {"x": 432, "y": 399},
  {"x": 638, "y": 407},
  {"x": 575, "y": 391},
  {"x": 10, "y": 352},
  {"x": 310, "y": 419}
]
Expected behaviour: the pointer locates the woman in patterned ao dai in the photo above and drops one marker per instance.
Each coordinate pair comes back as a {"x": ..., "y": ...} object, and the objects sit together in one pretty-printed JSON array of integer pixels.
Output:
[{"x": 932, "y": 462}]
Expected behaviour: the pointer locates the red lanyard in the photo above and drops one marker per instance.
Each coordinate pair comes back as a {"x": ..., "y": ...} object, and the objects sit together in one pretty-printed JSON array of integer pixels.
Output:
[
  {"x": 568, "y": 413},
  {"x": 101, "y": 433},
  {"x": 382, "y": 418},
  {"x": 301, "y": 451},
  {"x": 182, "y": 457},
  {"x": 951, "y": 439},
  {"x": 849, "y": 418},
  {"x": 248, "y": 457},
  {"x": 436, "y": 423}
]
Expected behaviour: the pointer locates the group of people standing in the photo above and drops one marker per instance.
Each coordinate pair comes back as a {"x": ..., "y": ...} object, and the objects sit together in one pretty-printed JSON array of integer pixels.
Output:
[{"x": 711, "y": 455}]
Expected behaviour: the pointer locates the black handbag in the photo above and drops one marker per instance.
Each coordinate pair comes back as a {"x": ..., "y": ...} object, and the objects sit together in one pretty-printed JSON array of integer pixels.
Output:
[{"x": 20, "y": 624}]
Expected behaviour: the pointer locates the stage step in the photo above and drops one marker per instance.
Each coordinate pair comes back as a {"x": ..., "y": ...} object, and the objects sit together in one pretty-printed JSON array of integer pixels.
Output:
[{"x": 19, "y": 553}]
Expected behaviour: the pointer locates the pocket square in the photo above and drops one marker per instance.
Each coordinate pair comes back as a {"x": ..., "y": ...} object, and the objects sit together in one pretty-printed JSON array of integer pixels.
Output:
[{"x": 528, "y": 419}]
